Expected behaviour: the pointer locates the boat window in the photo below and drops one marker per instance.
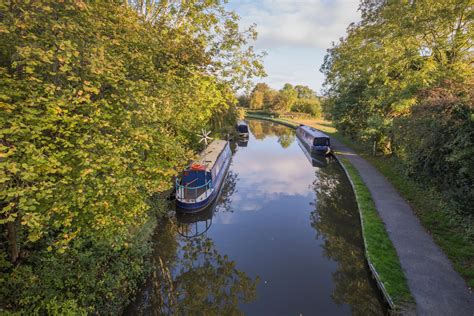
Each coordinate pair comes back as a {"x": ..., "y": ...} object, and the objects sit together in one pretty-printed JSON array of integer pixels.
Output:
[
  {"x": 243, "y": 129},
  {"x": 321, "y": 141}
]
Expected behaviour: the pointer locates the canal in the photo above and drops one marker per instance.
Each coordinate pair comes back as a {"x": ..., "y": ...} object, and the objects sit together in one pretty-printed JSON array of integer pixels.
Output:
[{"x": 283, "y": 239}]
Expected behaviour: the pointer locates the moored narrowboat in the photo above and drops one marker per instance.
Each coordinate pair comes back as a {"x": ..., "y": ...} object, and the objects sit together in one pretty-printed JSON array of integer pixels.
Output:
[
  {"x": 200, "y": 184},
  {"x": 243, "y": 129},
  {"x": 316, "y": 141}
]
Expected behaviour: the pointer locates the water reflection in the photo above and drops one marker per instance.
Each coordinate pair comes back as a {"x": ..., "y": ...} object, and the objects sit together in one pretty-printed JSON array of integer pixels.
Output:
[
  {"x": 334, "y": 212},
  {"x": 194, "y": 224},
  {"x": 190, "y": 277},
  {"x": 242, "y": 142},
  {"x": 260, "y": 130},
  {"x": 315, "y": 160}
]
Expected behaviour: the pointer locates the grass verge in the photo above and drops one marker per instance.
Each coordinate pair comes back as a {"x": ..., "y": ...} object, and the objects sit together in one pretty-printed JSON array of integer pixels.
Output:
[{"x": 379, "y": 249}]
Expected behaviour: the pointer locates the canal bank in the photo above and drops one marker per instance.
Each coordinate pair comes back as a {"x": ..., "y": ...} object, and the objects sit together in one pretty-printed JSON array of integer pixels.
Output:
[{"x": 435, "y": 286}]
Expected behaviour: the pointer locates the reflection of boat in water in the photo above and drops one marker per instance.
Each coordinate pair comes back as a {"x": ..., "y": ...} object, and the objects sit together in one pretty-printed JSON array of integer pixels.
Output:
[
  {"x": 199, "y": 185},
  {"x": 195, "y": 224},
  {"x": 316, "y": 141},
  {"x": 316, "y": 160},
  {"x": 242, "y": 142}
]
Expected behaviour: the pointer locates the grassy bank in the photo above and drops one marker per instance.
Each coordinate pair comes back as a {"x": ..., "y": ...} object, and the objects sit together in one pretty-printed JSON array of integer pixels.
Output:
[
  {"x": 379, "y": 249},
  {"x": 454, "y": 234}
]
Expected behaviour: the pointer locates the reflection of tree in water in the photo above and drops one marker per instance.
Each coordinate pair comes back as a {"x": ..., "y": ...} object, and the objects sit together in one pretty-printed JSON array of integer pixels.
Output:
[
  {"x": 194, "y": 280},
  {"x": 336, "y": 219},
  {"x": 261, "y": 129},
  {"x": 286, "y": 140},
  {"x": 224, "y": 202}
]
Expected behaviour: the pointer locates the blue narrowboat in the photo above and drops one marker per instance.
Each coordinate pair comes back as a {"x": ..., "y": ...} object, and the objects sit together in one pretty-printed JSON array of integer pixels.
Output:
[
  {"x": 243, "y": 129},
  {"x": 199, "y": 185},
  {"x": 316, "y": 141}
]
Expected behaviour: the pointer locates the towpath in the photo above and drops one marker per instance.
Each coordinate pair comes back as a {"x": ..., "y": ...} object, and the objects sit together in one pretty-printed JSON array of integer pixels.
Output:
[{"x": 437, "y": 288}]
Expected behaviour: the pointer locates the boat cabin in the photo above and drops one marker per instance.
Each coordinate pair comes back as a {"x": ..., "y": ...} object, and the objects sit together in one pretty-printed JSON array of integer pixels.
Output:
[
  {"x": 317, "y": 141},
  {"x": 197, "y": 185},
  {"x": 242, "y": 129}
]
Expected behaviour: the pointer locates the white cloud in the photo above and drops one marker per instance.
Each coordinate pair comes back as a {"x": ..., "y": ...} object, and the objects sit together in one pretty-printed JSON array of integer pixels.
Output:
[{"x": 302, "y": 23}]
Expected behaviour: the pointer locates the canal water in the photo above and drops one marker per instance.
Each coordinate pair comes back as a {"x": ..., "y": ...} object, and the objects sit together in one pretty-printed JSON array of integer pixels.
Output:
[{"x": 283, "y": 239}]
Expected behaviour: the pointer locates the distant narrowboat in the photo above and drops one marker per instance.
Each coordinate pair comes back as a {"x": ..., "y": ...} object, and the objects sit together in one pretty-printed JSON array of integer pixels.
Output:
[
  {"x": 243, "y": 129},
  {"x": 316, "y": 141},
  {"x": 200, "y": 183}
]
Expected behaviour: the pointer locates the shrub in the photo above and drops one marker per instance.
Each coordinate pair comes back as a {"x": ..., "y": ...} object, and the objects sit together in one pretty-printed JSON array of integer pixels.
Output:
[{"x": 308, "y": 106}]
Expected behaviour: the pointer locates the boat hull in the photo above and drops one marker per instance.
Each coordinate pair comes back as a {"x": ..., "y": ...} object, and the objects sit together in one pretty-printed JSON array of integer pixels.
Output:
[{"x": 193, "y": 207}]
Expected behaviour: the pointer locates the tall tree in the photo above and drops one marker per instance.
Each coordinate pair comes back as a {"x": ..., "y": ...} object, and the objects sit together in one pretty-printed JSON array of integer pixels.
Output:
[
  {"x": 257, "y": 97},
  {"x": 286, "y": 98}
]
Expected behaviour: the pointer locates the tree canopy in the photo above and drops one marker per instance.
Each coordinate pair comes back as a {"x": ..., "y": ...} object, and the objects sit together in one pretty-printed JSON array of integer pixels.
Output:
[
  {"x": 297, "y": 98},
  {"x": 384, "y": 82}
]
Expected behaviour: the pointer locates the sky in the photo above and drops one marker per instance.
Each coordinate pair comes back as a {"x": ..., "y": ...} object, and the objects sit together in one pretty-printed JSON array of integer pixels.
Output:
[{"x": 296, "y": 34}]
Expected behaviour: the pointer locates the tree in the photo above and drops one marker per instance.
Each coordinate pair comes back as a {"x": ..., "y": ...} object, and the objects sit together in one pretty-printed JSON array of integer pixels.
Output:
[
  {"x": 285, "y": 99},
  {"x": 304, "y": 92},
  {"x": 257, "y": 96},
  {"x": 380, "y": 80},
  {"x": 243, "y": 101},
  {"x": 308, "y": 106},
  {"x": 269, "y": 98}
]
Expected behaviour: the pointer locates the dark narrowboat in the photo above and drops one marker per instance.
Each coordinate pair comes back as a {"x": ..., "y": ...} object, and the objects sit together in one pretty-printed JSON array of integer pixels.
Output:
[
  {"x": 243, "y": 129},
  {"x": 199, "y": 185},
  {"x": 316, "y": 141}
]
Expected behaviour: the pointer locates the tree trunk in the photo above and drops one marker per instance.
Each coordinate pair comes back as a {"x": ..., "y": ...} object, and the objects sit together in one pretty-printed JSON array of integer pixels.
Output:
[{"x": 12, "y": 242}]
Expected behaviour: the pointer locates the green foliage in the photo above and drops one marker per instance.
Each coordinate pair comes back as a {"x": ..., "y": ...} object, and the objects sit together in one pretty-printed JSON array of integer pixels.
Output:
[
  {"x": 257, "y": 97},
  {"x": 287, "y": 96},
  {"x": 437, "y": 143},
  {"x": 308, "y": 106},
  {"x": 99, "y": 103},
  {"x": 381, "y": 82},
  {"x": 298, "y": 99}
]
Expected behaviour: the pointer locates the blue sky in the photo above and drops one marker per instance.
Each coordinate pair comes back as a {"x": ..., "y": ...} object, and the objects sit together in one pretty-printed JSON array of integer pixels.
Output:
[{"x": 295, "y": 35}]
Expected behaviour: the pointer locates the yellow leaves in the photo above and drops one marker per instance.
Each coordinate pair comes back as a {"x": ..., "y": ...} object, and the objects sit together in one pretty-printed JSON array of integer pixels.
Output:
[
  {"x": 3, "y": 29},
  {"x": 29, "y": 70},
  {"x": 85, "y": 172}
]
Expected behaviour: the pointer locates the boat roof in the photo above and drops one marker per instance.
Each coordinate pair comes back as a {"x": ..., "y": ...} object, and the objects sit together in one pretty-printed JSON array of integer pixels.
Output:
[
  {"x": 209, "y": 155},
  {"x": 312, "y": 131},
  {"x": 241, "y": 123}
]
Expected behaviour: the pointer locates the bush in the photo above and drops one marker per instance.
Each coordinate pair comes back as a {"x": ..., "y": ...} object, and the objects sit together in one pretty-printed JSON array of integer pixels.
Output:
[
  {"x": 308, "y": 106},
  {"x": 436, "y": 142}
]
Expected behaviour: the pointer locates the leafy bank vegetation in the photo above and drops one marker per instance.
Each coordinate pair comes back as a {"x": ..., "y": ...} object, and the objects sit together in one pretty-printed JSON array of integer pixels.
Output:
[
  {"x": 401, "y": 84},
  {"x": 100, "y": 102},
  {"x": 295, "y": 99}
]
